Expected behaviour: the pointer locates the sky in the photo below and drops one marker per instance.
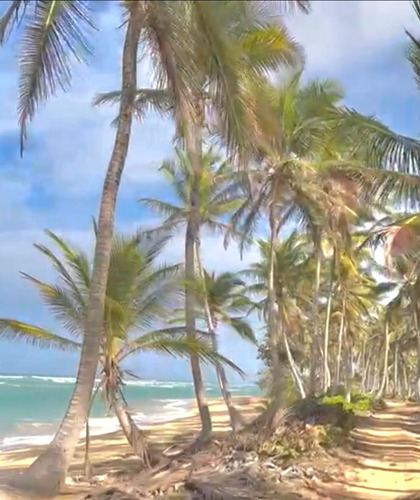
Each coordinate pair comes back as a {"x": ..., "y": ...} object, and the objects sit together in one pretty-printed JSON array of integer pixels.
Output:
[{"x": 58, "y": 182}]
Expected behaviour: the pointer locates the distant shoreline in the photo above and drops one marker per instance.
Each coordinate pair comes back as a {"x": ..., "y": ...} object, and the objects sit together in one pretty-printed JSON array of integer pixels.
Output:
[{"x": 33, "y": 405}]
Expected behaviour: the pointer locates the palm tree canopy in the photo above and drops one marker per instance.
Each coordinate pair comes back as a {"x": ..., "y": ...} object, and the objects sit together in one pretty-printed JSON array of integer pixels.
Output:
[
  {"x": 140, "y": 297},
  {"x": 208, "y": 59},
  {"x": 292, "y": 268},
  {"x": 220, "y": 193},
  {"x": 226, "y": 299}
]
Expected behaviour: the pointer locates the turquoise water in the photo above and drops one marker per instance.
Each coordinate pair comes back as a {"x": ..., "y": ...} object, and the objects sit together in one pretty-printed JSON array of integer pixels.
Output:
[{"x": 31, "y": 407}]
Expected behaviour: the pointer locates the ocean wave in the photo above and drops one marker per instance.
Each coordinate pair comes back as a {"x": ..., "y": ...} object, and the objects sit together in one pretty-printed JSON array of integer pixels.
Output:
[
  {"x": 170, "y": 409},
  {"x": 12, "y": 377},
  {"x": 56, "y": 380},
  {"x": 13, "y": 442},
  {"x": 173, "y": 409},
  {"x": 158, "y": 383}
]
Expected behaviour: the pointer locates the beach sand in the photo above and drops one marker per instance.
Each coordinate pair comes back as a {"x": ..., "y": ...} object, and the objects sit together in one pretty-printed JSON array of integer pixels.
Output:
[{"x": 111, "y": 456}]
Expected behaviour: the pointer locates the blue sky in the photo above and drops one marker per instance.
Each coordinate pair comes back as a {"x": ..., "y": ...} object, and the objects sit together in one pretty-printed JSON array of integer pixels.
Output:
[{"x": 57, "y": 183}]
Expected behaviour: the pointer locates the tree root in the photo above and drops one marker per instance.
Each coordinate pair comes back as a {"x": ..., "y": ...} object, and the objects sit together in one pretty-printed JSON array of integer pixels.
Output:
[{"x": 202, "y": 440}]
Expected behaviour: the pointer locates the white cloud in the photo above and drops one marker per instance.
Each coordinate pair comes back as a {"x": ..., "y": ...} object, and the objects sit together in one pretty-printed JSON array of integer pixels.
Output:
[
  {"x": 77, "y": 138},
  {"x": 339, "y": 35}
]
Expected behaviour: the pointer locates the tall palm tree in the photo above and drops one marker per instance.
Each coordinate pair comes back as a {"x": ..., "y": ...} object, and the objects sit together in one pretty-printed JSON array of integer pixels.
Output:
[
  {"x": 218, "y": 195},
  {"x": 221, "y": 297},
  {"x": 231, "y": 45},
  {"x": 140, "y": 295},
  {"x": 53, "y": 37},
  {"x": 292, "y": 269}
]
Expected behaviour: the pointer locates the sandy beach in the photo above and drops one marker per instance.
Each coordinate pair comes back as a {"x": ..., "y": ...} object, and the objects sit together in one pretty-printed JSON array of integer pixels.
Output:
[{"x": 111, "y": 456}]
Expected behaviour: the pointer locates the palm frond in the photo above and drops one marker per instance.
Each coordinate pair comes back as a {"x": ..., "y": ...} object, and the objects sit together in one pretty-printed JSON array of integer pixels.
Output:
[
  {"x": 77, "y": 260},
  {"x": 12, "y": 17},
  {"x": 242, "y": 328},
  {"x": 11, "y": 329},
  {"x": 183, "y": 346},
  {"x": 146, "y": 100},
  {"x": 413, "y": 51},
  {"x": 63, "y": 273},
  {"x": 54, "y": 35},
  {"x": 268, "y": 47},
  {"x": 61, "y": 304},
  {"x": 388, "y": 188},
  {"x": 163, "y": 207},
  {"x": 382, "y": 148}
]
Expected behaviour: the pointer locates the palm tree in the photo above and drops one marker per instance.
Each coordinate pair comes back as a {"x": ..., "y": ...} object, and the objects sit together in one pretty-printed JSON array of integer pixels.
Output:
[
  {"x": 53, "y": 37},
  {"x": 140, "y": 295},
  {"x": 218, "y": 195},
  {"x": 291, "y": 272},
  {"x": 222, "y": 298}
]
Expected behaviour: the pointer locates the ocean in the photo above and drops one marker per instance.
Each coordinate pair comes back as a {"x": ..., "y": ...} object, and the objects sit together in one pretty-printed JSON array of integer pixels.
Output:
[{"x": 31, "y": 407}]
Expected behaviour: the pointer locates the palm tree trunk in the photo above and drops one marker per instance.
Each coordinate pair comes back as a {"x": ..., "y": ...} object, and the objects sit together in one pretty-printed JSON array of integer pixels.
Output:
[
  {"x": 396, "y": 366},
  {"x": 87, "y": 464},
  {"x": 272, "y": 322},
  {"x": 134, "y": 435},
  {"x": 193, "y": 146},
  {"x": 385, "y": 370},
  {"x": 326, "y": 370},
  {"x": 293, "y": 367},
  {"x": 234, "y": 415},
  {"x": 190, "y": 321},
  {"x": 316, "y": 350},
  {"x": 267, "y": 419},
  {"x": 375, "y": 377},
  {"x": 417, "y": 325},
  {"x": 405, "y": 377},
  {"x": 340, "y": 343},
  {"x": 48, "y": 472},
  {"x": 366, "y": 374},
  {"x": 348, "y": 355}
]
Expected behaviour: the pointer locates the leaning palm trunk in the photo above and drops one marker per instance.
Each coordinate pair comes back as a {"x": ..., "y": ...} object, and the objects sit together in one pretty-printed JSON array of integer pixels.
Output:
[
  {"x": 87, "y": 465},
  {"x": 293, "y": 367},
  {"x": 417, "y": 325},
  {"x": 326, "y": 370},
  {"x": 133, "y": 434},
  {"x": 234, "y": 415},
  {"x": 191, "y": 238},
  {"x": 385, "y": 370},
  {"x": 316, "y": 349},
  {"x": 267, "y": 419},
  {"x": 46, "y": 475},
  {"x": 366, "y": 374},
  {"x": 340, "y": 344}
]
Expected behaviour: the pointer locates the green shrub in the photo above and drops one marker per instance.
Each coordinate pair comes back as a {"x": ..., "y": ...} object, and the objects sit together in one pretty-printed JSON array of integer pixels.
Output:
[{"x": 359, "y": 403}]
